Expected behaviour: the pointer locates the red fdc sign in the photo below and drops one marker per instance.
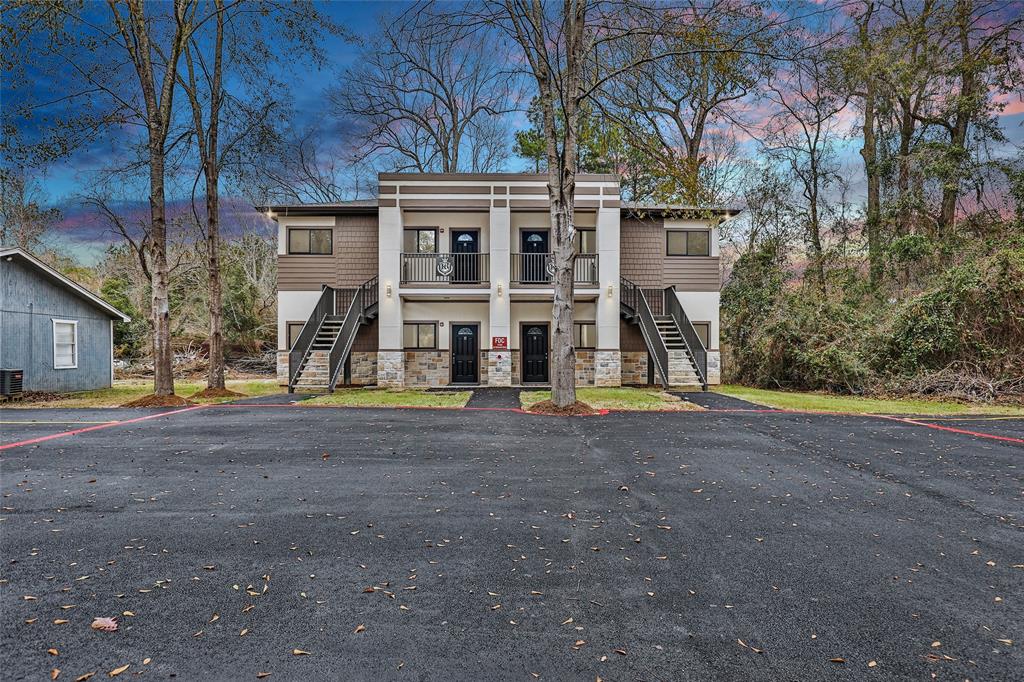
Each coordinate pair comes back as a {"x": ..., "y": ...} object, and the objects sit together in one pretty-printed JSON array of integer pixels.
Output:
[{"x": 499, "y": 342}]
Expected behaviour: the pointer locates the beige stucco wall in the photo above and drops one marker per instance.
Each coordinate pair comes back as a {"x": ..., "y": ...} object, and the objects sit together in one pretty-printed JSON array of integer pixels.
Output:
[
  {"x": 447, "y": 312},
  {"x": 444, "y": 222}
]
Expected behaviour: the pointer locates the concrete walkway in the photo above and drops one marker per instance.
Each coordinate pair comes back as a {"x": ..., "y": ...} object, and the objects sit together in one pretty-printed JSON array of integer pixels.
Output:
[
  {"x": 715, "y": 401},
  {"x": 494, "y": 397}
]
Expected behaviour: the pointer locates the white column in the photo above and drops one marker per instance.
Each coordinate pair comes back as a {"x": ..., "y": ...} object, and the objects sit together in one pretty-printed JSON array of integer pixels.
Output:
[
  {"x": 499, "y": 362},
  {"x": 390, "y": 358},
  {"x": 608, "y": 358}
]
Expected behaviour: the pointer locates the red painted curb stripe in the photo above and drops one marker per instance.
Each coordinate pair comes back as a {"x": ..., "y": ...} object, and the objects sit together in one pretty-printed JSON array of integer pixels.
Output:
[
  {"x": 75, "y": 432},
  {"x": 966, "y": 432}
]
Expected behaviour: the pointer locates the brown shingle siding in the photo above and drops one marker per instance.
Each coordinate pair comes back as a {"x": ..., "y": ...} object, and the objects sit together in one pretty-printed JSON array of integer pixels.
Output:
[
  {"x": 693, "y": 273},
  {"x": 355, "y": 249},
  {"x": 354, "y": 260},
  {"x": 642, "y": 250}
]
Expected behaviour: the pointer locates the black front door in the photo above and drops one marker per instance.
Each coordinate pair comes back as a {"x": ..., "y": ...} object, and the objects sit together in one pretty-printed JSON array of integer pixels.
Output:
[
  {"x": 465, "y": 246},
  {"x": 465, "y": 354},
  {"x": 534, "y": 256},
  {"x": 535, "y": 354}
]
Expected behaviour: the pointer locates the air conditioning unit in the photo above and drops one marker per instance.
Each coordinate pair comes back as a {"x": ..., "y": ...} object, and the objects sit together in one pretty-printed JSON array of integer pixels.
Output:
[{"x": 10, "y": 383}]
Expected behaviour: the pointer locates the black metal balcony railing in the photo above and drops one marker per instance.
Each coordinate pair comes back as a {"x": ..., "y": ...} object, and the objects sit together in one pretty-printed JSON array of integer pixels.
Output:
[
  {"x": 538, "y": 268},
  {"x": 445, "y": 268}
]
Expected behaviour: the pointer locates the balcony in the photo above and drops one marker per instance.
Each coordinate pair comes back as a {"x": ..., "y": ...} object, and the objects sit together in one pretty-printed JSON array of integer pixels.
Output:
[
  {"x": 445, "y": 269},
  {"x": 538, "y": 268}
]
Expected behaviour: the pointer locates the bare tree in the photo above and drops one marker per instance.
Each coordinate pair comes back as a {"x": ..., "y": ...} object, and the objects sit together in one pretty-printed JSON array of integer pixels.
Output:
[
  {"x": 124, "y": 72},
  {"x": 158, "y": 99},
  {"x": 24, "y": 221},
  {"x": 570, "y": 51},
  {"x": 803, "y": 135},
  {"x": 222, "y": 120},
  {"x": 207, "y": 136},
  {"x": 668, "y": 106},
  {"x": 280, "y": 164},
  {"x": 427, "y": 99}
]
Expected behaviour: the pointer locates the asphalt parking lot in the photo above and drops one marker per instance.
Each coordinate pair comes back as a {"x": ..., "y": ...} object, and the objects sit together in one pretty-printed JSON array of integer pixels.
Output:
[{"x": 441, "y": 544}]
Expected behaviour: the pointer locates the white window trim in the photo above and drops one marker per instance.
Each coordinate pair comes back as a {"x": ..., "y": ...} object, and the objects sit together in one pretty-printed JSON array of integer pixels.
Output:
[{"x": 74, "y": 327}]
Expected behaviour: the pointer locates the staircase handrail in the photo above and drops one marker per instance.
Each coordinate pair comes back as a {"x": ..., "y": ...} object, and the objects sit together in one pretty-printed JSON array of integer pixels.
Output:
[
  {"x": 304, "y": 341},
  {"x": 633, "y": 297},
  {"x": 690, "y": 337},
  {"x": 366, "y": 295}
]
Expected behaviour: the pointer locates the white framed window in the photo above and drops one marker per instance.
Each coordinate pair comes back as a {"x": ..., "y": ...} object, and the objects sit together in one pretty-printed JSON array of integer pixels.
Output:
[{"x": 65, "y": 344}]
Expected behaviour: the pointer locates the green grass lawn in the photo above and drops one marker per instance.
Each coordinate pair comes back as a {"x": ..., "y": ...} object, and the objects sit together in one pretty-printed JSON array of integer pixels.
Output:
[
  {"x": 381, "y": 397},
  {"x": 792, "y": 400},
  {"x": 616, "y": 399},
  {"x": 126, "y": 390}
]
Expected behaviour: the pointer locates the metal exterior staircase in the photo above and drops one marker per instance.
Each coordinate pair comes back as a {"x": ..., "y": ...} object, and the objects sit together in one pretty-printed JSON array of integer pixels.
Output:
[
  {"x": 321, "y": 351},
  {"x": 672, "y": 343}
]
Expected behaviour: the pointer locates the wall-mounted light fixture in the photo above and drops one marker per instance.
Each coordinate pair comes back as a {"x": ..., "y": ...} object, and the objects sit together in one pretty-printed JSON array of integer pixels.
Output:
[
  {"x": 500, "y": 287},
  {"x": 610, "y": 289},
  {"x": 387, "y": 289}
]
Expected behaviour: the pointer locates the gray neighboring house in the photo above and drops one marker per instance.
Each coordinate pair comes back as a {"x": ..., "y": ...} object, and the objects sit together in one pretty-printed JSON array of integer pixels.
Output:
[{"x": 57, "y": 331}]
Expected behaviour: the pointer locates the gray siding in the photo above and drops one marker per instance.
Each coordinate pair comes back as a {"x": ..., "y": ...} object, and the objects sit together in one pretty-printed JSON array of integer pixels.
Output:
[{"x": 29, "y": 302}]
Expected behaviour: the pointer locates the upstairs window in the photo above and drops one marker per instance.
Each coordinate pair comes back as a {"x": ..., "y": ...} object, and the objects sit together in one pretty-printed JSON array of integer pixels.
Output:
[
  {"x": 309, "y": 241},
  {"x": 586, "y": 241},
  {"x": 65, "y": 344},
  {"x": 688, "y": 243},
  {"x": 420, "y": 240}
]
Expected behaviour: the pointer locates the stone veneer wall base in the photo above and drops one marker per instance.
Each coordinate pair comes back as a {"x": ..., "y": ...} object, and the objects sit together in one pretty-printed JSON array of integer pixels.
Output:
[
  {"x": 390, "y": 368},
  {"x": 714, "y": 367},
  {"x": 499, "y": 367},
  {"x": 607, "y": 368},
  {"x": 427, "y": 368},
  {"x": 282, "y": 367}
]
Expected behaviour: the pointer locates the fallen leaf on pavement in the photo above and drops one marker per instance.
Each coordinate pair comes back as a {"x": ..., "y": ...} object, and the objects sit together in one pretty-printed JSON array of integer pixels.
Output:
[
  {"x": 359, "y": 628},
  {"x": 117, "y": 671},
  {"x": 299, "y": 652},
  {"x": 104, "y": 624}
]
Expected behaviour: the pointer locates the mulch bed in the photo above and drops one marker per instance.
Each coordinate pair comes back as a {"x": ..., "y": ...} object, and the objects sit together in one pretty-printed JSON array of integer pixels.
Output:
[
  {"x": 216, "y": 393},
  {"x": 577, "y": 409},
  {"x": 39, "y": 397},
  {"x": 153, "y": 400}
]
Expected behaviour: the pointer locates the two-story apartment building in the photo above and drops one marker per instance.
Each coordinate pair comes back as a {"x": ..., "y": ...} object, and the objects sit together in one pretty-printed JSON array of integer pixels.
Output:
[{"x": 446, "y": 279}]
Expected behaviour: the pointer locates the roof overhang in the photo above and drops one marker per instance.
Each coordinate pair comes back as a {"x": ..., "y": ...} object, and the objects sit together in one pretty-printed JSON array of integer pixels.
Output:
[
  {"x": 12, "y": 253},
  {"x": 275, "y": 211},
  {"x": 722, "y": 213}
]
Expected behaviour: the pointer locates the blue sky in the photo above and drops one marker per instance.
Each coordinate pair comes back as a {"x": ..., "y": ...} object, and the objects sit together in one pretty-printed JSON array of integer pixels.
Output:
[{"x": 66, "y": 181}]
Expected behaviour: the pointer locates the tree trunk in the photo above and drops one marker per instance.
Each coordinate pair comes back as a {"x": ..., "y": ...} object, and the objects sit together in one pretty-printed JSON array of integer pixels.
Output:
[
  {"x": 907, "y": 126},
  {"x": 159, "y": 109},
  {"x": 962, "y": 120},
  {"x": 215, "y": 374},
  {"x": 561, "y": 190},
  {"x": 817, "y": 263},
  {"x": 874, "y": 210},
  {"x": 163, "y": 374}
]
